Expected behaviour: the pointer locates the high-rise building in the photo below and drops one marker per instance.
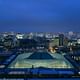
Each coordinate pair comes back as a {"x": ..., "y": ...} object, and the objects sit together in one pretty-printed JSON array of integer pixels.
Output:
[
  {"x": 65, "y": 42},
  {"x": 61, "y": 39}
]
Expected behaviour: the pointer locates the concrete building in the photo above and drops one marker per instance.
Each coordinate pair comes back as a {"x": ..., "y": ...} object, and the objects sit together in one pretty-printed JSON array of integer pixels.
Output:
[
  {"x": 54, "y": 42},
  {"x": 65, "y": 42},
  {"x": 19, "y": 36},
  {"x": 78, "y": 41},
  {"x": 72, "y": 42}
]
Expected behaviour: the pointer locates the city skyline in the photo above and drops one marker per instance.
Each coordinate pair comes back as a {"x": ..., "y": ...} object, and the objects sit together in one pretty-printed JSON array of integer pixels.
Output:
[{"x": 39, "y": 16}]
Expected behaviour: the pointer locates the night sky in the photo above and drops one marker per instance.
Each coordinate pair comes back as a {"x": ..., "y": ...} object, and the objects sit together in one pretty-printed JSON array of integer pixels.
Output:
[{"x": 40, "y": 15}]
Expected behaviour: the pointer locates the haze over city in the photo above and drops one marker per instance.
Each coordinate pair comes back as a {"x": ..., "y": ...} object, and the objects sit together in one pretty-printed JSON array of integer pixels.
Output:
[{"x": 39, "y": 15}]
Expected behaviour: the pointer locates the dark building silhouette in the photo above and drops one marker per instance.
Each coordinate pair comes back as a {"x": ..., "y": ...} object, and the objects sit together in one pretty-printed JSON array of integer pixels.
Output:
[
  {"x": 61, "y": 39},
  {"x": 27, "y": 43}
]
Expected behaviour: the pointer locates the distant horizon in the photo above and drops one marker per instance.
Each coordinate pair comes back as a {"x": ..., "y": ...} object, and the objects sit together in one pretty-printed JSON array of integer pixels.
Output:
[{"x": 35, "y": 32}]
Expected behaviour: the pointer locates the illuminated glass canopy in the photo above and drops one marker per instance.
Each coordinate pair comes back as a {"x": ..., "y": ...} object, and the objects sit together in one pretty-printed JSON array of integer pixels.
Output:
[{"x": 40, "y": 59}]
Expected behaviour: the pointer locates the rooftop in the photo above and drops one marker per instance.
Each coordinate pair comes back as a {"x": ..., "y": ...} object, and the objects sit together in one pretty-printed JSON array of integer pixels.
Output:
[{"x": 40, "y": 59}]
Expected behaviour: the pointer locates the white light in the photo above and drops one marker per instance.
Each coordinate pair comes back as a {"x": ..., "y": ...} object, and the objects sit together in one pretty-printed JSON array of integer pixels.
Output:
[
  {"x": 78, "y": 41},
  {"x": 15, "y": 72},
  {"x": 19, "y": 36},
  {"x": 2, "y": 66},
  {"x": 78, "y": 72}
]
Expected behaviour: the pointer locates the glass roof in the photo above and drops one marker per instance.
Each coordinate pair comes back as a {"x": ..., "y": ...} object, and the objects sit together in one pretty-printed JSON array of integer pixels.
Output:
[
  {"x": 40, "y": 59},
  {"x": 40, "y": 55}
]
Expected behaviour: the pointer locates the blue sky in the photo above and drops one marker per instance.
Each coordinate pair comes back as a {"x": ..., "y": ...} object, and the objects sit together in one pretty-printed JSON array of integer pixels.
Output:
[{"x": 39, "y": 15}]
